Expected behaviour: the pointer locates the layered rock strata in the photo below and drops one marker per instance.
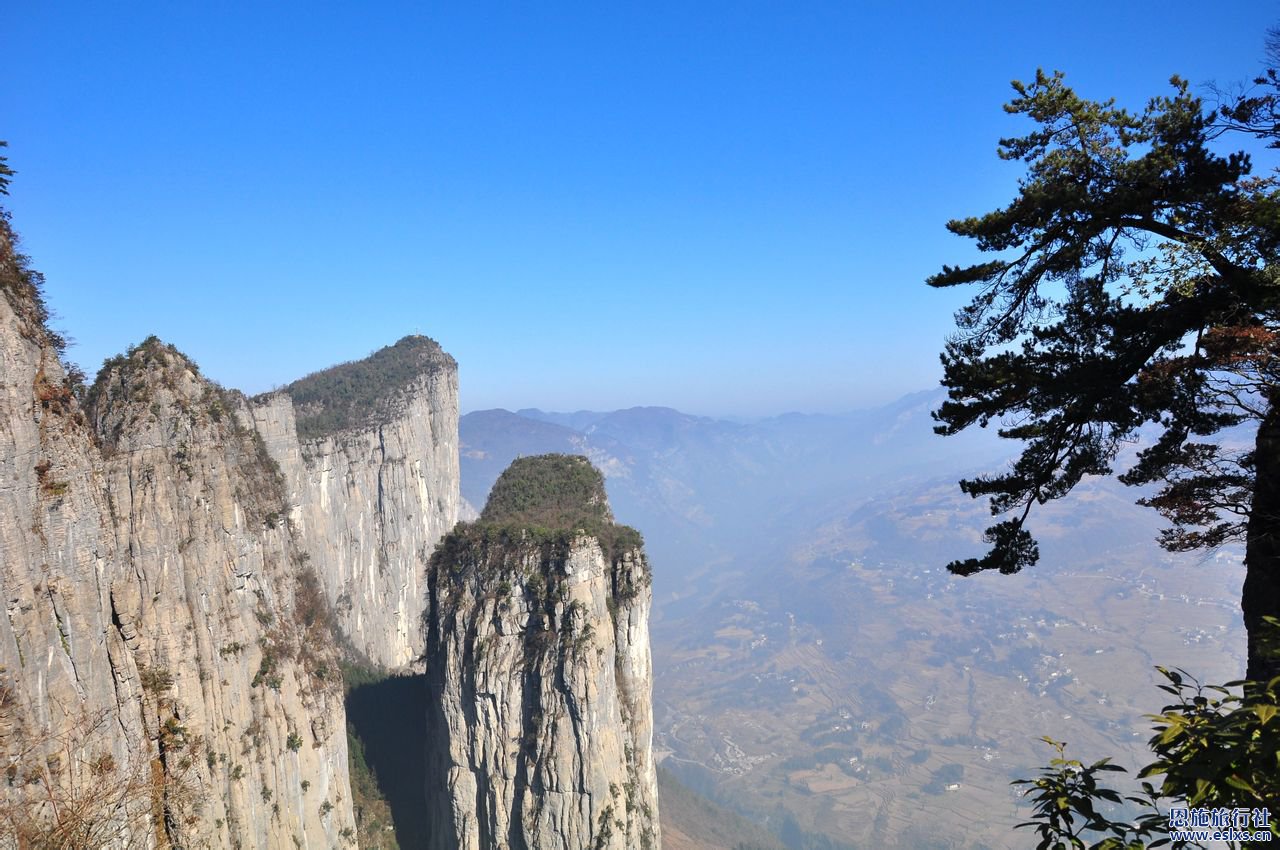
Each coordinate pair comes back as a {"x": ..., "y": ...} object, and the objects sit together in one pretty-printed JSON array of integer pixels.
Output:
[
  {"x": 166, "y": 672},
  {"x": 539, "y": 672},
  {"x": 370, "y": 463}
]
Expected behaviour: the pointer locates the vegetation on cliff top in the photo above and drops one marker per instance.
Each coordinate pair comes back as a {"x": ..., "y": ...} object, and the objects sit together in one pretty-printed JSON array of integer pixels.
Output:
[
  {"x": 352, "y": 395},
  {"x": 154, "y": 382},
  {"x": 151, "y": 359},
  {"x": 22, "y": 285},
  {"x": 550, "y": 491},
  {"x": 540, "y": 504},
  {"x": 555, "y": 495}
]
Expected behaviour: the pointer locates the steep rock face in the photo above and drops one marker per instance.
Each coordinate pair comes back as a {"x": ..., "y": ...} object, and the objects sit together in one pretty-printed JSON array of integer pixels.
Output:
[
  {"x": 538, "y": 666},
  {"x": 166, "y": 676},
  {"x": 372, "y": 485}
]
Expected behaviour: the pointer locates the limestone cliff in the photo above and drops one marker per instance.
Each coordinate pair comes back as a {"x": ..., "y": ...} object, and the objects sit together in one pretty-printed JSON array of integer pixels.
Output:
[
  {"x": 369, "y": 452},
  {"x": 178, "y": 563},
  {"x": 539, "y": 673},
  {"x": 166, "y": 676}
]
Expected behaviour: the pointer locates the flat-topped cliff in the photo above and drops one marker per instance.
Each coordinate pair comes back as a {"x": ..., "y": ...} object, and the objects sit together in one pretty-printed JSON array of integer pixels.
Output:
[{"x": 369, "y": 454}]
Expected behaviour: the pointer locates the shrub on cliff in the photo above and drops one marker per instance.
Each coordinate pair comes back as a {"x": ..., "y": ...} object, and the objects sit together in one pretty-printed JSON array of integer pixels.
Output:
[
  {"x": 1216, "y": 748},
  {"x": 540, "y": 505},
  {"x": 64, "y": 788},
  {"x": 554, "y": 495},
  {"x": 20, "y": 284},
  {"x": 549, "y": 491},
  {"x": 351, "y": 395}
]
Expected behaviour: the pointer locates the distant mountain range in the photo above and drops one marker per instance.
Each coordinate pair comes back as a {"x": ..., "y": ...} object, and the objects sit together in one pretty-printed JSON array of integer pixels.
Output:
[
  {"x": 704, "y": 489},
  {"x": 816, "y": 667}
]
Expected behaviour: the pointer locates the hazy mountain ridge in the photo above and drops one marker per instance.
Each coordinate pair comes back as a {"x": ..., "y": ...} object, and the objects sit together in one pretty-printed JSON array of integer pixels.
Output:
[
  {"x": 800, "y": 593},
  {"x": 706, "y": 489}
]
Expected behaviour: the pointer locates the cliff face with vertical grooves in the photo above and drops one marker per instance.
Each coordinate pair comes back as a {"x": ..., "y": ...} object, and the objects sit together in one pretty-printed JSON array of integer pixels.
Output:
[
  {"x": 369, "y": 452},
  {"x": 178, "y": 564},
  {"x": 166, "y": 672},
  {"x": 539, "y": 673}
]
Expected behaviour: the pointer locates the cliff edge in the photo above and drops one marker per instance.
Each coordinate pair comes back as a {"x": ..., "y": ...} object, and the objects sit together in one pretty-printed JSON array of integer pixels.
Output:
[
  {"x": 166, "y": 672},
  {"x": 539, "y": 722},
  {"x": 369, "y": 454}
]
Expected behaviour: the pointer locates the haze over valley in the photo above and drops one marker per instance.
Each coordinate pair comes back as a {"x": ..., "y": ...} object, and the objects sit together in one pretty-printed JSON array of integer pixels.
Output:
[{"x": 813, "y": 657}]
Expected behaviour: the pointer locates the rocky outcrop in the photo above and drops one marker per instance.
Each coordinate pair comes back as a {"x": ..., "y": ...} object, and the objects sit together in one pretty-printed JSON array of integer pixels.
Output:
[
  {"x": 166, "y": 672},
  {"x": 539, "y": 673},
  {"x": 372, "y": 485},
  {"x": 178, "y": 565}
]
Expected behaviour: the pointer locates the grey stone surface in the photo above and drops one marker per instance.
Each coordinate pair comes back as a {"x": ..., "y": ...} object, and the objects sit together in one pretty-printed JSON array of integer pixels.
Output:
[
  {"x": 167, "y": 670},
  {"x": 370, "y": 505},
  {"x": 540, "y": 721},
  {"x": 158, "y": 673}
]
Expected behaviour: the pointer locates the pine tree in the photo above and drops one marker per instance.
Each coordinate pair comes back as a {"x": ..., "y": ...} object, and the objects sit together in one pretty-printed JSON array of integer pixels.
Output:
[
  {"x": 6, "y": 173},
  {"x": 1136, "y": 285}
]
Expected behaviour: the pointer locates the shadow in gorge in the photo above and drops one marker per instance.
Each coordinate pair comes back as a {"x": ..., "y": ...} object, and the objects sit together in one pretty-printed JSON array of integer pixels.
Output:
[{"x": 388, "y": 717}]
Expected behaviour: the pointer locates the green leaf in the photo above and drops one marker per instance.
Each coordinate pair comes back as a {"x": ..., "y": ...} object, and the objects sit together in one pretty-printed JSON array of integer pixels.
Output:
[{"x": 1235, "y": 781}]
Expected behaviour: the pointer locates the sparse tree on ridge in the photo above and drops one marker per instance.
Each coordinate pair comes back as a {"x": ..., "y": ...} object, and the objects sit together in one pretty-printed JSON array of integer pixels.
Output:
[
  {"x": 6, "y": 173},
  {"x": 1136, "y": 284}
]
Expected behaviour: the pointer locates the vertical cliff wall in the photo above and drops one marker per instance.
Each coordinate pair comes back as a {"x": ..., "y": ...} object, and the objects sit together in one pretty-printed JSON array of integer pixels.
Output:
[
  {"x": 539, "y": 719},
  {"x": 369, "y": 452},
  {"x": 176, "y": 563},
  {"x": 166, "y": 676}
]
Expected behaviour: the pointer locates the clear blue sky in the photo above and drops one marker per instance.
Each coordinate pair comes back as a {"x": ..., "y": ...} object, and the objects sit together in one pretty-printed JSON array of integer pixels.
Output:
[{"x": 721, "y": 207}]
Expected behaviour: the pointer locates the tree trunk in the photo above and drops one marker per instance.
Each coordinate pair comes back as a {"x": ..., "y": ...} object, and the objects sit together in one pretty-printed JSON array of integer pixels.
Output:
[{"x": 1261, "y": 595}]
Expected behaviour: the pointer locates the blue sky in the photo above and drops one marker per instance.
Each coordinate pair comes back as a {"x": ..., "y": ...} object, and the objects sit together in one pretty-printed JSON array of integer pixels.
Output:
[{"x": 728, "y": 208}]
